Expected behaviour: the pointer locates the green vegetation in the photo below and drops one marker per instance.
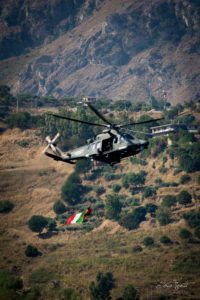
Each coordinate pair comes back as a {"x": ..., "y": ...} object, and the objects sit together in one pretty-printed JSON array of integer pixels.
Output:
[
  {"x": 193, "y": 218},
  {"x": 101, "y": 289},
  {"x": 37, "y": 223},
  {"x": 163, "y": 215},
  {"x": 184, "y": 178},
  {"x": 185, "y": 234},
  {"x": 165, "y": 240},
  {"x": 184, "y": 197},
  {"x": 113, "y": 206},
  {"x": 5, "y": 206},
  {"x": 151, "y": 208},
  {"x": 132, "y": 220},
  {"x": 8, "y": 282},
  {"x": 59, "y": 207},
  {"x": 69, "y": 294},
  {"x": 169, "y": 200},
  {"x": 72, "y": 190},
  {"x": 129, "y": 293},
  {"x": 31, "y": 251},
  {"x": 133, "y": 179},
  {"x": 148, "y": 241}
]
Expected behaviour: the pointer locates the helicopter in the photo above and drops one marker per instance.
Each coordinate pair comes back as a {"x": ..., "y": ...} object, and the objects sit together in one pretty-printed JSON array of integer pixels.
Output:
[{"x": 110, "y": 146}]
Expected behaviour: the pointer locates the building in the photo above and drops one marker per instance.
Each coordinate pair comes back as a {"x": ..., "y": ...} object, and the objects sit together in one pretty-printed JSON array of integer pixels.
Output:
[
  {"x": 86, "y": 100},
  {"x": 165, "y": 130}
]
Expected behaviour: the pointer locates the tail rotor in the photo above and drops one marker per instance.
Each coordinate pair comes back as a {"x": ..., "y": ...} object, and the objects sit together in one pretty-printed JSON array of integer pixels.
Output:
[{"x": 51, "y": 143}]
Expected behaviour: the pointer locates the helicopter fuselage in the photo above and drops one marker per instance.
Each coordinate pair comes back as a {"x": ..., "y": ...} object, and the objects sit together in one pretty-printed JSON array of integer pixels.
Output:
[{"x": 109, "y": 147}]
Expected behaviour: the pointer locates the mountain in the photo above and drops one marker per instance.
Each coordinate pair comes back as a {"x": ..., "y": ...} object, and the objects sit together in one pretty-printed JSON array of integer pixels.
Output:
[{"x": 116, "y": 49}]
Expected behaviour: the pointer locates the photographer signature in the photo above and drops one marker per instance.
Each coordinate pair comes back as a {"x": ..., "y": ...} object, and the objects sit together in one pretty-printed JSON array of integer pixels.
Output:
[{"x": 174, "y": 284}]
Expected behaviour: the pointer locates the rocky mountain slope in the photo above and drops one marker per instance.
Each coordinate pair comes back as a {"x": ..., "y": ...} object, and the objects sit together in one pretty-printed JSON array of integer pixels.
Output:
[{"x": 117, "y": 49}]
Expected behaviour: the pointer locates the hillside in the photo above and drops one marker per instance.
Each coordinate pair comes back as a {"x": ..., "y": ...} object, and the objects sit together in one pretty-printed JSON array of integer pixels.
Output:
[
  {"x": 114, "y": 49},
  {"x": 72, "y": 258}
]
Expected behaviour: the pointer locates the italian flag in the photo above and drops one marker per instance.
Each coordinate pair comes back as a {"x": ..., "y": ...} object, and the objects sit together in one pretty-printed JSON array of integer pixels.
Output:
[{"x": 77, "y": 219}]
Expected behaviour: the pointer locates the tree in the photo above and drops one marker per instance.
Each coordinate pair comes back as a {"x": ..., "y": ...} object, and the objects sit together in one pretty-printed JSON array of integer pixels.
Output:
[
  {"x": 101, "y": 289},
  {"x": 165, "y": 240},
  {"x": 133, "y": 220},
  {"x": 197, "y": 232},
  {"x": 184, "y": 197},
  {"x": 129, "y": 293},
  {"x": 37, "y": 223},
  {"x": 20, "y": 120},
  {"x": 83, "y": 166},
  {"x": 113, "y": 206},
  {"x": 198, "y": 178},
  {"x": 69, "y": 294},
  {"x": 148, "y": 241},
  {"x": 7, "y": 281},
  {"x": 193, "y": 218},
  {"x": 59, "y": 207},
  {"x": 149, "y": 191},
  {"x": 72, "y": 189},
  {"x": 169, "y": 200},
  {"x": 5, "y": 206},
  {"x": 31, "y": 251},
  {"x": 163, "y": 215},
  {"x": 184, "y": 178},
  {"x": 185, "y": 234},
  {"x": 151, "y": 208}
]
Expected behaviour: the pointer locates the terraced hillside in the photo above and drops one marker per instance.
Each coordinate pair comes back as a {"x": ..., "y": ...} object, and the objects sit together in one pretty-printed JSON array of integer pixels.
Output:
[{"x": 71, "y": 257}]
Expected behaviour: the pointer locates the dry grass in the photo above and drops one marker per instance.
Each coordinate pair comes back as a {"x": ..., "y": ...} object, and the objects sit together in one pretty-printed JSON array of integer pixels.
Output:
[{"x": 32, "y": 182}]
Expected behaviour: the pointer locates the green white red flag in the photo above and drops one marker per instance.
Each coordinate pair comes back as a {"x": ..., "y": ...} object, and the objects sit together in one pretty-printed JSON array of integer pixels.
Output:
[{"x": 78, "y": 218}]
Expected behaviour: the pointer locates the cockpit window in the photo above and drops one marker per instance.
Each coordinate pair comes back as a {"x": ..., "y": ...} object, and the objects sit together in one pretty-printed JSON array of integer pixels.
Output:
[{"x": 130, "y": 136}]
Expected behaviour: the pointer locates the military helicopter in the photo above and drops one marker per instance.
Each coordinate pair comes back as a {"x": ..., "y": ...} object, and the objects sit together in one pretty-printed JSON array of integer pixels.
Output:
[{"x": 110, "y": 146}]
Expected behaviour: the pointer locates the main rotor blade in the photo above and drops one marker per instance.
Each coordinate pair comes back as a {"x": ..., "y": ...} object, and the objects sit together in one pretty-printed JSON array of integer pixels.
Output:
[
  {"x": 138, "y": 123},
  {"x": 99, "y": 114},
  {"x": 75, "y": 120}
]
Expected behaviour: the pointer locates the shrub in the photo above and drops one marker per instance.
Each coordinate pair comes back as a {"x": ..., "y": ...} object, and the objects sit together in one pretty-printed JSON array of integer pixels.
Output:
[
  {"x": 184, "y": 197},
  {"x": 99, "y": 190},
  {"x": 151, "y": 208},
  {"x": 169, "y": 200},
  {"x": 149, "y": 191},
  {"x": 129, "y": 293},
  {"x": 83, "y": 166},
  {"x": 41, "y": 276},
  {"x": 162, "y": 170},
  {"x": 113, "y": 206},
  {"x": 59, "y": 207},
  {"x": 69, "y": 294},
  {"x": 72, "y": 189},
  {"x": 101, "y": 289},
  {"x": 148, "y": 241},
  {"x": 197, "y": 232},
  {"x": 31, "y": 251},
  {"x": 192, "y": 218},
  {"x": 163, "y": 215},
  {"x": 20, "y": 120},
  {"x": 116, "y": 188},
  {"x": 198, "y": 178},
  {"x": 184, "y": 178},
  {"x": 37, "y": 223},
  {"x": 133, "y": 220},
  {"x": 7, "y": 281},
  {"x": 165, "y": 240},
  {"x": 158, "y": 181},
  {"x": 5, "y": 206},
  {"x": 185, "y": 234},
  {"x": 51, "y": 225}
]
